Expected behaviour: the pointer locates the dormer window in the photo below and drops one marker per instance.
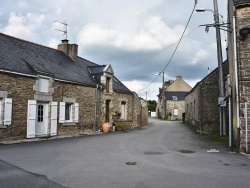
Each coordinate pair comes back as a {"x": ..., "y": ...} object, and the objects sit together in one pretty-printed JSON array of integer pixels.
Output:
[
  {"x": 43, "y": 85},
  {"x": 108, "y": 80},
  {"x": 175, "y": 98}
]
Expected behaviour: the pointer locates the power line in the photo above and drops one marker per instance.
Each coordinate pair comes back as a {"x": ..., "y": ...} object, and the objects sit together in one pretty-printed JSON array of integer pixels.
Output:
[
  {"x": 147, "y": 58},
  {"x": 175, "y": 47}
]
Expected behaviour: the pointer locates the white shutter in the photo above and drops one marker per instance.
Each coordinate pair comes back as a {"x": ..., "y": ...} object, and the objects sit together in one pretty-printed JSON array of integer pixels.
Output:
[
  {"x": 1, "y": 112},
  {"x": 53, "y": 118},
  {"x": 62, "y": 112},
  {"x": 7, "y": 111},
  {"x": 31, "y": 119},
  {"x": 76, "y": 117},
  {"x": 43, "y": 85}
]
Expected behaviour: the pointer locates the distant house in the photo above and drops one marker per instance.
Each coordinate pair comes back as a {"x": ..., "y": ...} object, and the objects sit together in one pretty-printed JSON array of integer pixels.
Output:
[
  {"x": 171, "y": 105},
  {"x": 47, "y": 92},
  {"x": 175, "y": 104},
  {"x": 202, "y": 110}
]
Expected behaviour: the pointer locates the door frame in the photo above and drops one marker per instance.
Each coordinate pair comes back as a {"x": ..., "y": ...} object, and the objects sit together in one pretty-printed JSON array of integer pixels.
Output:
[{"x": 46, "y": 118}]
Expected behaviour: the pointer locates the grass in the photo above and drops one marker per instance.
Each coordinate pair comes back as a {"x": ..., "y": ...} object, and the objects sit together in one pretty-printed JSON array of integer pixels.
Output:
[{"x": 214, "y": 137}]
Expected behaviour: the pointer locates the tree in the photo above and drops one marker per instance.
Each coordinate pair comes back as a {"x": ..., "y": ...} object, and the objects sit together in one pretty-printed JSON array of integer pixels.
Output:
[{"x": 152, "y": 105}]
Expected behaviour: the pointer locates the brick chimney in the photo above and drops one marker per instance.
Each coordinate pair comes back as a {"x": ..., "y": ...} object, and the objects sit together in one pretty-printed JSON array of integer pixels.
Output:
[
  {"x": 179, "y": 77},
  {"x": 70, "y": 50}
]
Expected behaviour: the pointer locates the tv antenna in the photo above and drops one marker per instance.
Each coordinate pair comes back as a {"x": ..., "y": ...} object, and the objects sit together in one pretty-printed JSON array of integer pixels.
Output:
[{"x": 64, "y": 30}]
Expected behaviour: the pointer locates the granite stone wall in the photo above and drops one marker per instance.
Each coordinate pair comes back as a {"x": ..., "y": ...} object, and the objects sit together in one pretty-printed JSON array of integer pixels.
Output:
[
  {"x": 202, "y": 111},
  {"x": 243, "y": 48},
  {"x": 23, "y": 88},
  {"x": 20, "y": 89}
]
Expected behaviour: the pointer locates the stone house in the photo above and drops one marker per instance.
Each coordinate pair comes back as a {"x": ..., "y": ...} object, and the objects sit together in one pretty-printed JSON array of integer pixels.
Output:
[
  {"x": 171, "y": 105},
  {"x": 202, "y": 110},
  {"x": 47, "y": 92},
  {"x": 239, "y": 71}
]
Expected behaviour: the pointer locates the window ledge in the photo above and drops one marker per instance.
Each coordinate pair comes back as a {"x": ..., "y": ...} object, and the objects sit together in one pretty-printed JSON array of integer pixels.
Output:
[{"x": 68, "y": 123}]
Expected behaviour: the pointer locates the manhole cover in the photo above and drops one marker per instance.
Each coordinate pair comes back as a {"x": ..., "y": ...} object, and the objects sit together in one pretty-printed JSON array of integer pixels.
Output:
[
  {"x": 152, "y": 153},
  {"x": 186, "y": 151}
]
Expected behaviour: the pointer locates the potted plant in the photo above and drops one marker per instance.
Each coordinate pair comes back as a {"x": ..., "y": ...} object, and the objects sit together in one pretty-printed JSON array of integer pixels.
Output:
[
  {"x": 106, "y": 127},
  {"x": 119, "y": 126}
]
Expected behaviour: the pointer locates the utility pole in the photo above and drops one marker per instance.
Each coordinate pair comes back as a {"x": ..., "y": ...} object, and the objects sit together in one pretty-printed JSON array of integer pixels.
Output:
[
  {"x": 163, "y": 97},
  {"x": 220, "y": 70}
]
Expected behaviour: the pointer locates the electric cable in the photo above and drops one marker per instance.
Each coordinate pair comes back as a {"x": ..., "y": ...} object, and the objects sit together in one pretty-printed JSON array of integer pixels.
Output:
[
  {"x": 147, "y": 58},
  {"x": 175, "y": 48}
]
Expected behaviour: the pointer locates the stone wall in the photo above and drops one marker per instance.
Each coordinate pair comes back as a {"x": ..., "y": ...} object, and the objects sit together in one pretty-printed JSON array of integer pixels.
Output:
[
  {"x": 20, "y": 89},
  {"x": 171, "y": 105},
  {"x": 243, "y": 48},
  {"x": 202, "y": 111},
  {"x": 83, "y": 95},
  {"x": 136, "y": 110}
]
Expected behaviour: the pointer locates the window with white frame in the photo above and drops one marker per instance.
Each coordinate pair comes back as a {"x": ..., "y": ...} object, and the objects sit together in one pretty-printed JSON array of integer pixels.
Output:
[
  {"x": 5, "y": 111},
  {"x": 123, "y": 110},
  {"x": 176, "y": 112},
  {"x": 43, "y": 85},
  {"x": 69, "y": 112}
]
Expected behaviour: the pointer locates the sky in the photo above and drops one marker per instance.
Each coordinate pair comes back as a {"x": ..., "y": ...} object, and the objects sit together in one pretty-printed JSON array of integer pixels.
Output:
[{"x": 137, "y": 37}]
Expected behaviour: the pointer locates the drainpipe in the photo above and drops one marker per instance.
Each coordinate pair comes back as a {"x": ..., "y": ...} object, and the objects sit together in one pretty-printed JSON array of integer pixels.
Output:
[
  {"x": 96, "y": 101},
  {"x": 236, "y": 79},
  {"x": 201, "y": 108},
  {"x": 133, "y": 98},
  {"x": 97, "y": 108},
  {"x": 246, "y": 127},
  {"x": 141, "y": 114}
]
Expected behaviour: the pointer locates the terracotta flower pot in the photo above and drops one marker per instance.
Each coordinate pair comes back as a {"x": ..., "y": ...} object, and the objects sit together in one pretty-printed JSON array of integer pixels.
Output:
[{"x": 106, "y": 127}]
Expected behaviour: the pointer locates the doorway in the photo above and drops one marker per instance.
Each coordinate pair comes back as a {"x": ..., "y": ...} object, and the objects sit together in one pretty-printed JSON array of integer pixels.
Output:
[
  {"x": 107, "y": 105},
  {"x": 41, "y": 119}
]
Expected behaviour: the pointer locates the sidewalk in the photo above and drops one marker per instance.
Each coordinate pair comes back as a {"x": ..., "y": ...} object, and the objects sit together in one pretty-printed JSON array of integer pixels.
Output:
[{"x": 87, "y": 133}]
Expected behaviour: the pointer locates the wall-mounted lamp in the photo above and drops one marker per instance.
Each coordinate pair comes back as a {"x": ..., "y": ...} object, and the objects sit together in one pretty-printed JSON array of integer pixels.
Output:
[{"x": 244, "y": 32}]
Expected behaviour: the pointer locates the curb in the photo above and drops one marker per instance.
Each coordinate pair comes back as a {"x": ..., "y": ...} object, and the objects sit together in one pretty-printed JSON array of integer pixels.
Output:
[{"x": 66, "y": 136}]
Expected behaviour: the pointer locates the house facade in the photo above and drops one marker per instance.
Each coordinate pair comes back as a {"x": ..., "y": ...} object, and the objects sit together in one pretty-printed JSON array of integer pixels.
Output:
[
  {"x": 47, "y": 92},
  {"x": 202, "y": 110},
  {"x": 239, "y": 63},
  {"x": 171, "y": 105}
]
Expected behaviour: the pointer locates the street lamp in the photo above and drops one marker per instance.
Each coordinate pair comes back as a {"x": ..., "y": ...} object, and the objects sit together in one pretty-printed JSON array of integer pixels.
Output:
[
  {"x": 220, "y": 71},
  {"x": 203, "y": 10}
]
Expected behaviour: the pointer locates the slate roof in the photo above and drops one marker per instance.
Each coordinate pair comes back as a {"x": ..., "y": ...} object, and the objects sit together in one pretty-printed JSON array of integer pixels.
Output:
[
  {"x": 241, "y": 2},
  {"x": 170, "y": 95},
  {"x": 29, "y": 58}
]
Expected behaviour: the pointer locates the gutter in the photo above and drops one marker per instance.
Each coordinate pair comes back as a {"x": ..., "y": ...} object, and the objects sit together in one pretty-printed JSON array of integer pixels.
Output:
[{"x": 22, "y": 74}]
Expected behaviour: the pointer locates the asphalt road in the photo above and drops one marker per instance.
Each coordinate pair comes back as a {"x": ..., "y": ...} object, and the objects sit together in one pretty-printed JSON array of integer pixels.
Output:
[{"x": 167, "y": 154}]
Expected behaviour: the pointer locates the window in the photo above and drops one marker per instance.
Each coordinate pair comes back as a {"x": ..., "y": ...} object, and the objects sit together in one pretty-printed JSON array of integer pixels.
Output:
[
  {"x": 123, "y": 109},
  {"x": 176, "y": 112},
  {"x": 175, "y": 98},
  {"x": 108, "y": 85},
  {"x": 5, "y": 111},
  {"x": 40, "y": 113},
  {"x": 43, "y": 85},
  {"x": 69, "y": 112}
]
